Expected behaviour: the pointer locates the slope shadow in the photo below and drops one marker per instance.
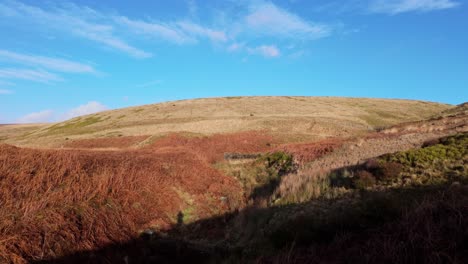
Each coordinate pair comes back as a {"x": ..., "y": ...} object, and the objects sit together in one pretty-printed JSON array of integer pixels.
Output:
[{"x": 208, "y": 241}]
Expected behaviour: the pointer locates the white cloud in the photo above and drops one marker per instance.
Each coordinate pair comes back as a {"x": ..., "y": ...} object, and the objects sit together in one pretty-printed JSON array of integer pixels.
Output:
[
  {"x": 297, "y": 54},
  {"x": 46, "y": 116},
  {"x": 402, "y": 6},
  {"x": 243, "y": 22},
  {"x": 234, "y": 47},
  {"x": 154, "y": 29},
  {"x": 86, "y": 109},
  {"x": 37, "y": 117},
  {"x": 116, "y": 43},
  {"x": 4, "y": 91},
  {"x": 30, "y": 75},
  {"x": 184, "y": 32},
  {"x": 267, "y": 18},
  {"x": 195, "y": 29},
  {"x": 108, "y": 29},
  {"x": 81, "y": 22},
  {"x": 47, "y": 62},
  {"x": 269, "y": 51}
]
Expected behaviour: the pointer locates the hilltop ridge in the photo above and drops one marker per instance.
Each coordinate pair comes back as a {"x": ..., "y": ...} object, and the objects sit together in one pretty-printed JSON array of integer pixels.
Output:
[{"x": 290, "y": 118}]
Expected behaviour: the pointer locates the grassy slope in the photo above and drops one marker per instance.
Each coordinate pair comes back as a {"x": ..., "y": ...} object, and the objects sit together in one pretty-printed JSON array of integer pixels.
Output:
[
  {"x": 387, "y": 220},
  {"x": 18, "y": 131},
  {"x": 405, "y": 207},
  {"x": 292, "y": 118},
  {"x": 33, "y": 173}
]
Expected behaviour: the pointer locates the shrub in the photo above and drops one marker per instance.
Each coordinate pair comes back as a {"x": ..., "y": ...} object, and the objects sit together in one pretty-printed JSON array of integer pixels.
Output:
[
  {"x": 280, "y": 162},
  {"x": 364, "y": 180},
  {"x": 388, "y": 170}
]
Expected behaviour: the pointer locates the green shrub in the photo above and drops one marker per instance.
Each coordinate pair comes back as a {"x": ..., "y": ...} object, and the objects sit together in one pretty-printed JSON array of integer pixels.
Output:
[{"x": 280, "y": 162}]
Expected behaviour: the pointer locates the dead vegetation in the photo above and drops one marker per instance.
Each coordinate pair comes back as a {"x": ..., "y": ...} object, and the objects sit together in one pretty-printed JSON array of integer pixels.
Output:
[
  {"x": 56, "y": 202},
  {"x": 174, "y": 195},
  {"x": 214, "y": 147},
  {"x": 294, "y": 119},
  {"x": 400, "y": 224},
  {"x": 108, "y": 142}
]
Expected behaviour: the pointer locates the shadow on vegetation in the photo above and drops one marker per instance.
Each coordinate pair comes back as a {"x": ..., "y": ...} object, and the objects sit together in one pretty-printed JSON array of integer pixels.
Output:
[
  {"x": 410, "y": 225},
  {"x": 275, "y": 166},
  {"x": 383, "y": 219}
]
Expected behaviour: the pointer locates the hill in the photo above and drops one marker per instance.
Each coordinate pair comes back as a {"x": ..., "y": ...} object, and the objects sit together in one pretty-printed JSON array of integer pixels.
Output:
[
  {"x": 121, "y": 191},
  {"x": 289, "y": 118}
]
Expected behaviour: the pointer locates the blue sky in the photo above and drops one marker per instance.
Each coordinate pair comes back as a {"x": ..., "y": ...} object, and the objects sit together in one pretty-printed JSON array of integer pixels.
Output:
[{"x": 63, "y": 59}]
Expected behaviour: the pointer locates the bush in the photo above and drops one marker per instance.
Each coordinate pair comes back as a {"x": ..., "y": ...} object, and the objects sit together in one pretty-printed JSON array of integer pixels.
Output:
[
  {"x": 364, "y": 180},
  {"x": 278, "y": 164},
  {"x": 388, "y": 170}
]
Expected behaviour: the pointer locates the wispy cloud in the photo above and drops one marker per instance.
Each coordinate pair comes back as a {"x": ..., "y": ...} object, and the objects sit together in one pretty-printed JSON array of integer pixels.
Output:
[
  {"x": 182, "y": 32},
  {"x": 298, "y": 54},
  {"x": 197, "y": 30},
  {"x": 46, "y": 62},
  {"x": 49, "y": 115},
  {"x": 30, "y": 75},
  {"x": 267, "y": 18},
  {"x": 37, "y": 117},
  {"x": 268, "y": 51},
  {"x": 4, "y": 91},
  {"x": 236, "y": 47},
  {"x": 154, "y": 29},
  {"x": 71, "y": 19},
  {"x": 116, "y": 43},
  {"x": 402, "y": 6},
  {"x": 250, "y": 22},
  {"x": 109, "y": 29},
  {"x": 86, "y": 109}
]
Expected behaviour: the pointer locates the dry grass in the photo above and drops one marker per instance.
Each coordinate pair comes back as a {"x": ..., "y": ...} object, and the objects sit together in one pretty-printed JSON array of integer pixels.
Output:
[
  {"x": 307, "y": 152},
  {"x": 311, "y": 181},
  {"x": 292, "y": 118},
  {"x": 401, "y": 228},
  {"x": 212, "y": 148},
  {"x": 110, "y": 142},
  {"x": 18, "y": 131},
  {"x": 56, "y": 202}
]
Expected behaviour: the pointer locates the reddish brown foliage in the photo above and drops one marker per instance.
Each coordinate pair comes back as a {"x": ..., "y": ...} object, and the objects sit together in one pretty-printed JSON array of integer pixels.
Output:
[
  {"x": 113, "y": 142},
  {"x": 57, "y": 202},
  {"x": 212, "y": 148},
  {"x": 307, "y": 152}
]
